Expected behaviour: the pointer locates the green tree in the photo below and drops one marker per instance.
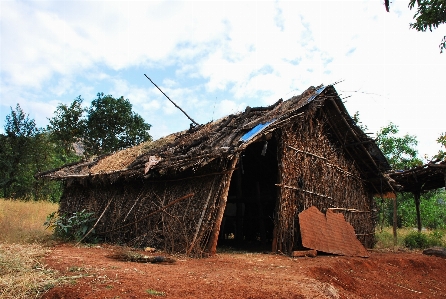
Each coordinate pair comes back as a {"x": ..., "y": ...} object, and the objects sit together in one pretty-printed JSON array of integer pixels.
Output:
[
  {"x": 18, "y": 140},
  {"x": 432, "y": 210},
  {"x": 399, "y": 151},
  {"x": 24, "y": 151},
  {"x": 112, "y": 125},
  {"x": 430, "y": 14},
  {"x": 358, "y": 122},
  {"x": 109, "y": 124},
  {"x": 67, "y": 127},
  {"x": 402, "y": 154},
  {"x": 442, "y": 152}
]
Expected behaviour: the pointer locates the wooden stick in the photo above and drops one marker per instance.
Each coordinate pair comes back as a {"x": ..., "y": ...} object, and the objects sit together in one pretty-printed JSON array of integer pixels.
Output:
[
  {"x": 348, "y": 210},
  {"x": 212, "y": 244},
  {"x": 327, "y": 162},
  {"x": 157, "y": 211},
  {"x": 97, "y": 221},
  {"x": 303, "y": 190},
  {"x": 200, "y": 221},
  {"x": 197, "y": 124}
]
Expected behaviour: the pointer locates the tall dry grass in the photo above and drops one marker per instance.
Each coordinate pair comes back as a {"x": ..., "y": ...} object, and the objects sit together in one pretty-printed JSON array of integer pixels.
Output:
[
  {"x": 22, "y": 221},
  {"x": 22, "y": 245},
  {"x": 22, "y": 275}
]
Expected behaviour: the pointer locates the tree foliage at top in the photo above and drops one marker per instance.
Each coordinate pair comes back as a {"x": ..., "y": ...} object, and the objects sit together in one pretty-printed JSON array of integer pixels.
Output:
[
  {"x": 67, "y": 126},
  {"x": 430, "y": 14},
  {"x": 400, "y": 151},
  {"x": 112, "y": 125},
  {"x": 109, "y": 125},
  {"x": 24, "y": 150},
  {"x": 358, "y": 122},
  {"x": 442, "y": 152}
]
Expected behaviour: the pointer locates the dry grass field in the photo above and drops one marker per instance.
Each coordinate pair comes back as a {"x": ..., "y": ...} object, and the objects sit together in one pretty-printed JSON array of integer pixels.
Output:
[
  {"x": 23, "y": 240},
  {"x": 22, "y": 221}
]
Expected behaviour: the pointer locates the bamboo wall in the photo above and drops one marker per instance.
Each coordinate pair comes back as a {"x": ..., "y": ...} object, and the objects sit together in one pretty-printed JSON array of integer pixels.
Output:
[
  {"x": 135, "y": 214},
  {"x": 315, "y": 172}
]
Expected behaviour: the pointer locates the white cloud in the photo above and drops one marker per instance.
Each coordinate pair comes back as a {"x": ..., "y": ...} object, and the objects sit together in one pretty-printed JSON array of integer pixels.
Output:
[
  {"x": 226, "y": 107},
  {"x": 244, "y": 52}
]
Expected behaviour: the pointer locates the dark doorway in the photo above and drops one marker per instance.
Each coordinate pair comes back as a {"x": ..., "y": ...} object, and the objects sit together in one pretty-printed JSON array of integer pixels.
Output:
[{"x": 248, "y": 222}]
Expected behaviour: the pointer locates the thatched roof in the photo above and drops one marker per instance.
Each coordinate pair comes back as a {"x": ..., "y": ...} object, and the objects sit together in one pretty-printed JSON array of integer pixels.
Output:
[
  {"x": 198, "y": 146},
  {"x": 419, "y": 179}
]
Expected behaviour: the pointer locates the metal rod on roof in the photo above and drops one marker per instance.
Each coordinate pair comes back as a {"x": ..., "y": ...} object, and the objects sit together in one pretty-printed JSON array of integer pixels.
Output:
[{"x": 197, "y": 124}]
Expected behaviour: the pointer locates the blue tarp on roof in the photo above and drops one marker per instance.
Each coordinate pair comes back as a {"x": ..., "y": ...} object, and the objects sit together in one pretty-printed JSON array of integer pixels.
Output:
[
  {"x": 318, "y": 92},
  {"x": 254, "y": 131},
  {"x": 259, "y": 128}
]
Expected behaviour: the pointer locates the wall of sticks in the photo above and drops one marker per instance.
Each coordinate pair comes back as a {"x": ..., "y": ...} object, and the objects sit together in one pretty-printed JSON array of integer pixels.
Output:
[
  {"x": 315, "y": 172},
  {"x": 176, "y": 216}
]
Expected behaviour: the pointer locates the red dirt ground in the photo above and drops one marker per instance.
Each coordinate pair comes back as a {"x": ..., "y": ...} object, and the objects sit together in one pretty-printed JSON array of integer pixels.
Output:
[{"x": 247, "y": 275}]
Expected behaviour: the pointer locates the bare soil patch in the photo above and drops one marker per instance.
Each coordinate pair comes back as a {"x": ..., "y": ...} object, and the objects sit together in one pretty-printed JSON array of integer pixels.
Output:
[{"x": 246, "y": 275}]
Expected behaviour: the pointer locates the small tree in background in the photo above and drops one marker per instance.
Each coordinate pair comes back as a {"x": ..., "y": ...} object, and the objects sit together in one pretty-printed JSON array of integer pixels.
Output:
[
  {"x": 399, "y": 151},
  {"x": 66, "y": 128},
  {"x": 442, "y": 152},
  {"x": 24, "y": 151},
  {"x": 18, "y": 141},
  {"x": 402, "y": 154},
  {"x": 111, "y": 125}
]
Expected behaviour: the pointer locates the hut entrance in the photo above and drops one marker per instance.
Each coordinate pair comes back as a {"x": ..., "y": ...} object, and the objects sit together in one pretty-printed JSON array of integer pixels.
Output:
[{"x": 248, "y": 220}]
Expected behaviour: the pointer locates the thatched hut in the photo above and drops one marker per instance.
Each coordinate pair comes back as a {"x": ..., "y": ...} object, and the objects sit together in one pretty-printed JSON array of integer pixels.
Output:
[{"x": 264, "y": 166}]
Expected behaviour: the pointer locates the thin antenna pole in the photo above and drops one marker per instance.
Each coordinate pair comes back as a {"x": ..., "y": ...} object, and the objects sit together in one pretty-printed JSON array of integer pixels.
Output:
[{"x": 197, "y": 124}]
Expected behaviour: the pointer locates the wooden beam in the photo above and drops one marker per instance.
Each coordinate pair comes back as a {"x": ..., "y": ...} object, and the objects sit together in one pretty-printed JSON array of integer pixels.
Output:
[{"x": 212, "y": 245}]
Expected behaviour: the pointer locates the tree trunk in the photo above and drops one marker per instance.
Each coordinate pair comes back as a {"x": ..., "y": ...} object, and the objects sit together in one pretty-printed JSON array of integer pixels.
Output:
[
  {"x": 417, "y": 206},
  {"x": 395, "y": 213}
]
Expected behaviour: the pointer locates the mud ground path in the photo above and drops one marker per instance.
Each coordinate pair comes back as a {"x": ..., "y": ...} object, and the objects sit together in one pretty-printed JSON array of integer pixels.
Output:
[{"x": 247, "y": 275}]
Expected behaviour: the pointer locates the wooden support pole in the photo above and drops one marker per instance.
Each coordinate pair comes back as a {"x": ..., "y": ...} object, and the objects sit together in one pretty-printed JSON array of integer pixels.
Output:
[
  {"x": 212, "y": 245},
  {"x": 416, "y": 194},
  {"x": 97, "y": 221},
  {"x": 395, "y": 224},
  {"x": 200, "y": 221}
]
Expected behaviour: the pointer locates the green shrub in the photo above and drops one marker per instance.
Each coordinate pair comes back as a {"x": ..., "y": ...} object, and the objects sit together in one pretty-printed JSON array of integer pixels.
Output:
[
  {"x": 416, "y": 240},
  {"x": 384, "y": 239},
  {"x": 421, "y": 240},
  {"x": 436, "y": 238},
  {"x": 72, "y": 228}
]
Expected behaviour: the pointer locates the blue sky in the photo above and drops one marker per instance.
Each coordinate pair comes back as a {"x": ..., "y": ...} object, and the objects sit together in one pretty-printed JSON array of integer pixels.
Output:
[{"x": 214, "y": 58}]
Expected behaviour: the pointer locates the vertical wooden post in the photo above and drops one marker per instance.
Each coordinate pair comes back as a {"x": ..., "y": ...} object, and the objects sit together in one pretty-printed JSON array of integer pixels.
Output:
[
  {"x": 275, "y": 246},
  {"x": 416, "y": 194},
  {"x": 212, "y": 245},
  {"x": 395, "y": 224}
]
